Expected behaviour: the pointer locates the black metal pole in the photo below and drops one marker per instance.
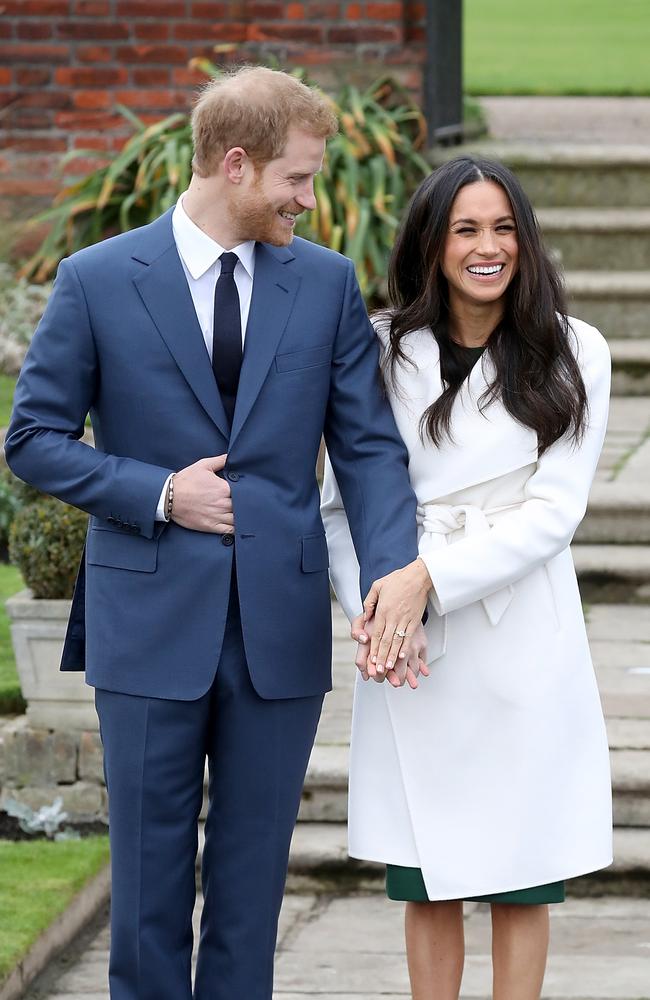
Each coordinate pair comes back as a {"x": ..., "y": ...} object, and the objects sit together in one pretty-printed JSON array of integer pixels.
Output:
[{"x": 443, "y": 84}]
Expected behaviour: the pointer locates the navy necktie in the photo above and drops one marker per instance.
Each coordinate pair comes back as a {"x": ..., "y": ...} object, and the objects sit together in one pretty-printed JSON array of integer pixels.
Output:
[{"x": 226, "y": 334}]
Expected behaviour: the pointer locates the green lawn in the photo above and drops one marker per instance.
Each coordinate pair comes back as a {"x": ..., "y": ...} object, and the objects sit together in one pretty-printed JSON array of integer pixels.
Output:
[
  {"x": 10, "y": 697},
  {"x": 7, "y": 386},
  {"x": 557, "y": 47},
  {"x": 37, "y": 881}
]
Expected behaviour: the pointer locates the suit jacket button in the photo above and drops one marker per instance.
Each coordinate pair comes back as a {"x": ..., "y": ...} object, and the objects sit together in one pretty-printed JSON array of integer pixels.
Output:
[
  {"x": 227, "y": 540},
  {"x": 233, "y": 477}
]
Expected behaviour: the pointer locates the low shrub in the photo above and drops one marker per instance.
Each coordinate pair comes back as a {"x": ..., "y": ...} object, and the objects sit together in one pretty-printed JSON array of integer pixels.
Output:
[
  {"x": 21, "y": 306},
  {"x": 46, "y": 542}
]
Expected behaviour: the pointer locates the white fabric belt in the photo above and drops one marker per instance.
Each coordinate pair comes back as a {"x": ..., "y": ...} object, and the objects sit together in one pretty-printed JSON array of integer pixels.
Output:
[{"x": 438, "y": 522}]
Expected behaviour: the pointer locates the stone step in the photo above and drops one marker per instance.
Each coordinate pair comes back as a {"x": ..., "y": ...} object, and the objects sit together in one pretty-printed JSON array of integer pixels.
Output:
[
  {"x": 319, "y": 861},
  {"x": 613, "y": 574},
  {"x": 324, "y": 798},
  {"x": 617, "y": 302},
  {"x": 618, "y": 513},
  {"x": 571, "y": 175},
  {"x": 631, "y": 788},
  {"x": 320, "y": 838},
  {"x": 598, "y": 239},
  {"x": 630, "y": 366}
]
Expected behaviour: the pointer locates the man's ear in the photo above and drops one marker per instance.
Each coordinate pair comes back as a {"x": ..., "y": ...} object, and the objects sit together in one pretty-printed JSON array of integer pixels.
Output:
[{"x": 235, "y": 164}]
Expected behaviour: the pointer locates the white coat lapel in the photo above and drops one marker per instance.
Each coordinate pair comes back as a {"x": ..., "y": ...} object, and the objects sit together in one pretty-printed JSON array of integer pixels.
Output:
[{"x": 485, "y": 444}]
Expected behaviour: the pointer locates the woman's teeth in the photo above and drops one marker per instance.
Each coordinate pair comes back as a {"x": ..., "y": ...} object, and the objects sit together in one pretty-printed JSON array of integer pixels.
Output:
[{"x": 477, "y": 269}]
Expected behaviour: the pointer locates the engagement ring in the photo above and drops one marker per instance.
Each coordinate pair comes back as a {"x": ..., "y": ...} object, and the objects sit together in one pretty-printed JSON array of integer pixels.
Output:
[{"x": 401, "y": 633}]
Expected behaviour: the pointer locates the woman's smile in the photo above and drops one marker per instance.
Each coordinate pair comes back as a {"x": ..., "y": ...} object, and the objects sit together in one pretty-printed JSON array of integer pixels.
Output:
[{"x": 486, "y": 273}]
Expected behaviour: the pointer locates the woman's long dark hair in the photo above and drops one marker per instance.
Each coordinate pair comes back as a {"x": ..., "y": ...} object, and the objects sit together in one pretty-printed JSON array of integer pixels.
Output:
[{"x": 537, "y": 376}]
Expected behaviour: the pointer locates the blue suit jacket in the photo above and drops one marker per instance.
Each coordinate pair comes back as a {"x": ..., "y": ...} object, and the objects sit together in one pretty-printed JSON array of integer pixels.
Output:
[{"x": 120, "y": 339}]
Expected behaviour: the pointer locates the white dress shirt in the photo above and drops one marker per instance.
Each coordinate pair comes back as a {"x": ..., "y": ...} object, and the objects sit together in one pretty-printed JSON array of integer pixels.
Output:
[{"x": 199, "y": 255}]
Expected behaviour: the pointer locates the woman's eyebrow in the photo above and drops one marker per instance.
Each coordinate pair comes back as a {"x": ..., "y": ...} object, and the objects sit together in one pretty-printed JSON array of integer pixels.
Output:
[{"x": 473, "y": 222}]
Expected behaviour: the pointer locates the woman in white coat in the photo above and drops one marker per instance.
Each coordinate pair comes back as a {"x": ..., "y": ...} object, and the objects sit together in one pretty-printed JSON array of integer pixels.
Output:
[{"x": 490, "y": 777}]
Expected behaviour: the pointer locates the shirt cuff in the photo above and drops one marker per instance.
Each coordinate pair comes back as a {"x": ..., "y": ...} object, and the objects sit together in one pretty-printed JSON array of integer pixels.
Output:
[{"x": 160, "y": 509}]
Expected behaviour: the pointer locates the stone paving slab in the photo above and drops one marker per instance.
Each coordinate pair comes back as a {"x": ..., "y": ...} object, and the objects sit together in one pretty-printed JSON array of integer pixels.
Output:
[
  {"x": 619, "y": 637},
  {"x": 86, "y": 976},
  {"x": 354, "y": 948},
  {"x": 623, "y": 561},
  {"x": 619, "y": 624},
  {"x": 75, "y": 996},
  {"x": 637, "y": 467},
  {"x": 627, "y": 431},
  {"x": 599, "y": 120},
  {"x": 628, "y": 734}
]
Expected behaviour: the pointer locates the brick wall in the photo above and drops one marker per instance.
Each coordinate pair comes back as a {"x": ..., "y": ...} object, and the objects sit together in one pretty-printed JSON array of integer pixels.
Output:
[{"x": 64, "y": 64}]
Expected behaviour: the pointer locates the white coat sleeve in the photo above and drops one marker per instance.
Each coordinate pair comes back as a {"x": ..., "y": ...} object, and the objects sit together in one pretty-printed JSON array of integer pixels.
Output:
[
  {"x": 344, "y": 565},
  {"x": 555, "y": 504}
]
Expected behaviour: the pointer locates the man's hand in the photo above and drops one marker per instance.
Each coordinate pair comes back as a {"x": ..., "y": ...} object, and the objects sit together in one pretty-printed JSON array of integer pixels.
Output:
[
  {"x": 397, "y": 602},
  {"x": 406, "y": 670},
  {"x": 202, "y": 500}
]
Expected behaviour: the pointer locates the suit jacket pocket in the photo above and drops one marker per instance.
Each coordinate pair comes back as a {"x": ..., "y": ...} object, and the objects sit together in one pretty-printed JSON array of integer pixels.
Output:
[
  {"x": 122, "y": 551},
  {"x": 315, "y": 556},
  {"x": 309, "y": 358}
]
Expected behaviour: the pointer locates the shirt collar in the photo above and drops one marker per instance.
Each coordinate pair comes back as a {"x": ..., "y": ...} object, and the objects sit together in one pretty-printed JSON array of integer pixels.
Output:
[{"x": 199, "y": 251}]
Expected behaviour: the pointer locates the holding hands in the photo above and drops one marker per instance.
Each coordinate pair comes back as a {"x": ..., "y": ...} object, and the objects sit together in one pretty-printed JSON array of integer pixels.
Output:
[
  {"x": 396, "y": 604},
  {"x": 408, "y": 667}
]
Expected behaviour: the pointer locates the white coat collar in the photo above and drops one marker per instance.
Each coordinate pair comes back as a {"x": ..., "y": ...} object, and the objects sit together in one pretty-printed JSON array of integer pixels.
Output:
[{"x": 486, "y": 444}]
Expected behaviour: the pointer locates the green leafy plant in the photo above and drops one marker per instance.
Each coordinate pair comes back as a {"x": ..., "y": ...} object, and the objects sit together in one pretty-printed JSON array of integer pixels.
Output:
[
  {"x": 371, "y": 168},
  {"x": 23, "y": 493},
  {"x": 14, "y": 494},
  {"x": 9, "y": 505},
  {"x": 370, "y": 171},
  {"x": 21, "y": 306},
  {"x": 46, "y": 541}
]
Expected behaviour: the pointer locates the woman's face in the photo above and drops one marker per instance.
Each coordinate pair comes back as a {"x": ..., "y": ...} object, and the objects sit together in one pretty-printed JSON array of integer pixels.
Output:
[{"x": 481, "y": 252}]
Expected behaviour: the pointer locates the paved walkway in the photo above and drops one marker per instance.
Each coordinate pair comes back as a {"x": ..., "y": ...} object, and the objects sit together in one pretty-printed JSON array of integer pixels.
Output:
[{"x": 351, "y": 948}]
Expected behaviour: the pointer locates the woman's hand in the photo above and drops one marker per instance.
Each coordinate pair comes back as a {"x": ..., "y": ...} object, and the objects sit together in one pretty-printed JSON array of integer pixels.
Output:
[
  {"x": 407, "y": 669},
  {"x": 397, "y": 603},
  {"x": 417, "y": 658},
  {"x": 361, "y": 632}
]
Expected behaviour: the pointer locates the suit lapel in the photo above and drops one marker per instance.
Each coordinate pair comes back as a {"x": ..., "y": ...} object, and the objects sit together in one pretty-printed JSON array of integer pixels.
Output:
[
  {"x": 274, "y": 291},
  {"x": 163, "y": 287}
]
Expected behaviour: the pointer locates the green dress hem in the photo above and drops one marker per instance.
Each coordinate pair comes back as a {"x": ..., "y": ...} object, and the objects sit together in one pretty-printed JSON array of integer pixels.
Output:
[{"x": 407, "y": 885}]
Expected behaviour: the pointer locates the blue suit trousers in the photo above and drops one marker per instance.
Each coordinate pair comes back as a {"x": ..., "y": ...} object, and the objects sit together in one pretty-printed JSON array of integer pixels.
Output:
[{"x": 154, "y": 756}]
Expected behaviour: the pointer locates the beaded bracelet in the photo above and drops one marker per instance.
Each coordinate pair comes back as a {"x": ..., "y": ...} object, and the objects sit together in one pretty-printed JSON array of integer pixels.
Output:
[{"x": 169, "y": 503}]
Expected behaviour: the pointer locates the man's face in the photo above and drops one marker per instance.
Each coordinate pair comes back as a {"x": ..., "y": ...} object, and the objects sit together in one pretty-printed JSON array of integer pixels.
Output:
[{"x": 265, "y": 207}]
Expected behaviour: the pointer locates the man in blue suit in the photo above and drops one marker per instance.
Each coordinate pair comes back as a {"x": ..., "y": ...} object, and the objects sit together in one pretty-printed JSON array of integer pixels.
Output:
[{"x": 212, "y": 351}]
